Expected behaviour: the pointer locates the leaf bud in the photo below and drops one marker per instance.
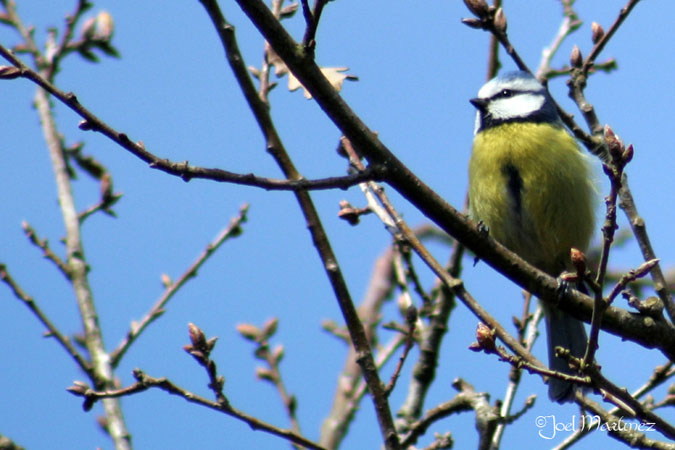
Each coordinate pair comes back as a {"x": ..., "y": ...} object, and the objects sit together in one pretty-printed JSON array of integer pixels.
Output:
[
  {"x": 576, "y": 59},
  {"x": 578, "y": 260},
  {"x": 597, "y": 32},
  {"x": 472, "y": 23},
  {"x": 500, "y": 21},
  {"x": 479, "y": 8},
  {"x": 9, "y": 72}
]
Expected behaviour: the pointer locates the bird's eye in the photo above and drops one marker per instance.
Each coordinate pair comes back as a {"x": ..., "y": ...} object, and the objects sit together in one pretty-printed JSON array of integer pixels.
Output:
[{"x": 505, "y": 93}]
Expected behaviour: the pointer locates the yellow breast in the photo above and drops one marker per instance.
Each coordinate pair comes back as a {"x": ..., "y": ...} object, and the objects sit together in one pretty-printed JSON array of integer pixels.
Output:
[{"x": 531, "y": 185}]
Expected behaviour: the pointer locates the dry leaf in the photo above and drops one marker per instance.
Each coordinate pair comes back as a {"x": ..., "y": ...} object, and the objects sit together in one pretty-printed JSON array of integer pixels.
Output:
[{"x": 334, "y": 75}]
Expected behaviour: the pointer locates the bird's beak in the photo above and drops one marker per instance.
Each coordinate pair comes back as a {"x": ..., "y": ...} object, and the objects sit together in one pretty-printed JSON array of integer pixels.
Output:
[{"x": 479, "y": 103}]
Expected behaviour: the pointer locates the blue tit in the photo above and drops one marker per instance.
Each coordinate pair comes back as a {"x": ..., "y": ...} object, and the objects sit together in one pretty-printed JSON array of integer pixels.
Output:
[{"x": 531, "y": 185}]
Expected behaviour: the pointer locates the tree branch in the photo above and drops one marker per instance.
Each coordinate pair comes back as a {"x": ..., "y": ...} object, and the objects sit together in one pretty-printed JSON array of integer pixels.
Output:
[
  {"x": 656, "y": 334},
  {"x": 52, "y": 330},
  {"x": 232, "y": 230},
  {"x": 183, "y": 169},
  {"x": 276, "y": 148},
  {"x": 145, "y": 382},
  {"x": 77, "y": 268}
]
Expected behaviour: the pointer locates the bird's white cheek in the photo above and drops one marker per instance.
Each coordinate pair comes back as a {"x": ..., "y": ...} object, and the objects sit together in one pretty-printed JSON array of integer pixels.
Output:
[{"x": 518, "y": 106}]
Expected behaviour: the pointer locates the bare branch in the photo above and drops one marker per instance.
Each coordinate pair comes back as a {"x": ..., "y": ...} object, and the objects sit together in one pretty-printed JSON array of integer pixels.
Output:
[
  {"x": 429, "y": 202},
  {"x": 487, "y": 417},
  {"x": 594, "y": 378},
  {"x": 276, "y": 148},
  {"x": 46, "y": 251},
  {"x": 351, "y": 388},
  {"x": 62, "y": 48},
  {"x": 312, "y": 19},
  {"x": 232, "y": 230},
  {"x": 411, "y": 319},
  {"x": 569, "y": 25},
  {"x": 660, "y": 375},
  {"x": 261, "y": 336},
  {"x": 183, "y": 169},
  {"x": 52, "y": 330},
  {"x": 78, "y": 271},
  {"x": 145, "y": 382},
  {"x": 614, "y": 425}
]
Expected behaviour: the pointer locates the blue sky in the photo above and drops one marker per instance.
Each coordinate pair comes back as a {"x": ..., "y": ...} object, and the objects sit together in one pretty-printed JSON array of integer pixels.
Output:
[{"x": 417, "y": 67}]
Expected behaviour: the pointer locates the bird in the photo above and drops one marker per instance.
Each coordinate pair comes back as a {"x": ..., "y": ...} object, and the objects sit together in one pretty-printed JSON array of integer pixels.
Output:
[{"x": 531, "y": 188}]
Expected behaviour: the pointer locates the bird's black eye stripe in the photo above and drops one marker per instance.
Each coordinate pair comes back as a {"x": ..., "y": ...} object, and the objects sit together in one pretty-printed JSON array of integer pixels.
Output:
[{"x": 504, "y": 93}]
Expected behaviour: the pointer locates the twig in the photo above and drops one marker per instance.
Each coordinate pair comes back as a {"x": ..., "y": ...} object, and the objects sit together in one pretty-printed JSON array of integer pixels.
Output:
[
  {"x": 103, "y": 205},
  {"x": 66, "y": 37},
  {"x": 424, "y": 370},
  {"x": 351, "y": 388},
  {"x": 25, "y": 33},
  {"x": 312, "y": 19},
  {"x": 351, "y": 391},
  {"x": 607, "y": 66},
  {"x": 466, "y": 400},
  {"x": 414, "y": 278},
  {"x": 52, "y": 330},
  {"x": 658, "y": 377},
  {"x": 411, "y": 319},
  {"x": 232, "y": 230},
  {"x": 46, "y": 251},
  {"x": 275, "y": 147},
  {"x": 616, "y": 428},
  {"x": 639, "y": 228},
  {"x": 638, "y": 409},
  {"x": 145, "y": 382},
  {"x": 631, "y": 276},
  {"x": 569, "y": 25},
  {"x": 200, "y": 349},
  {"x": 614, "y": 169},
  {"x": 528, "y": 332},
  {"x": 493, "y": 20},
  {"x": 100, "y": 370},
  {"x": 486, "y": 343},
  {"x": 494, "y": 64},
  {"x": 183, "y": 169},
  {"x": 78, "y": 271},
  {"x": 272, "y": 373},
  {"x": 600, "y": 45},
  {"x": 264, "y": 76}
]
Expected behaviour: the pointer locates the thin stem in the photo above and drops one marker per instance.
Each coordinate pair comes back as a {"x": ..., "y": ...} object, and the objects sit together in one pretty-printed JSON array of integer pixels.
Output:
[
  {"x": 182, "y": 169},
  {"x": 570, "y": 24},
  {"x": 528, "y": 333},
  {"x": 46, "y": 251},
  {"x": 52, "y": 330},
  {"x": 232, "y": 230},
  {"x": 639, "y": 228},
  {"x": 432, "y": 205},
  {"x": 77, "y": 268},
  {"x": 145, "y": 382},
  {"x": 660, "y": 375},
  {"x": 351, "y": 388},
  {"x": 67, "y": 35},
  {"x": 320, "y": 239}
]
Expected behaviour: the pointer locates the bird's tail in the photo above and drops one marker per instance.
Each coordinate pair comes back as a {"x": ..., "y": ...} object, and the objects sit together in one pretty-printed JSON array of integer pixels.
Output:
[{"x": 563, "y": 331}]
